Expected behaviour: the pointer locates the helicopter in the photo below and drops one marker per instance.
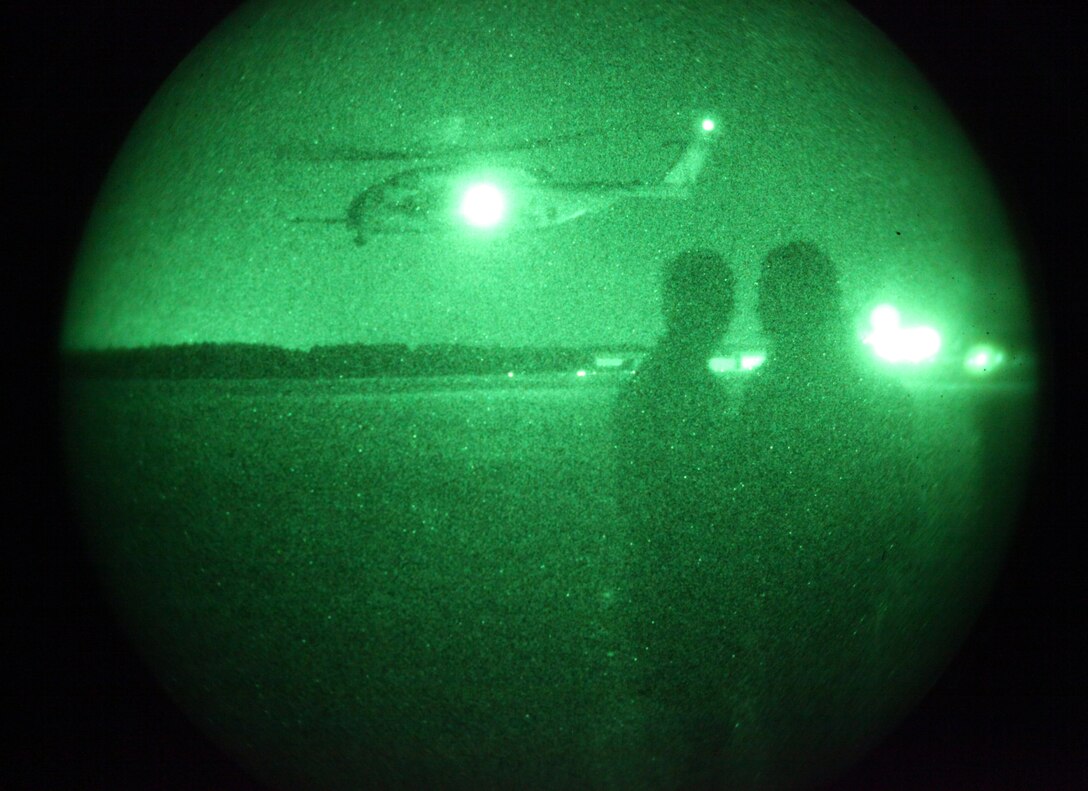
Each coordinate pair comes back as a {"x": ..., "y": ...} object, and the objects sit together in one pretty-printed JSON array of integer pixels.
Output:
[{"x": 438, "y": 198}]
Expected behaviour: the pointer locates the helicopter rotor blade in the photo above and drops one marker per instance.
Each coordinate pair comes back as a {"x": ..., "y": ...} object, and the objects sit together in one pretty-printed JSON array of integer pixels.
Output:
[
  {"x": 320, "y": 220},
  {"x": 317, "y": 151},
  {"x": 531, "y": 143},
  {"x": 320, "y": 151}
]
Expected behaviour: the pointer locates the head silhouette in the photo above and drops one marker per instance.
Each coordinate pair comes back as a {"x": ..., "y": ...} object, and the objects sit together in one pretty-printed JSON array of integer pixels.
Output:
[
  {"x": 800, "y": 302},
  {"x": 697, "y": 296}
]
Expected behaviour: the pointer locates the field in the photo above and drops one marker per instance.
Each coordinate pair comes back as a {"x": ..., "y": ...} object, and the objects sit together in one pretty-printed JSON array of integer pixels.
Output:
[{"x": 422, "y": 584}]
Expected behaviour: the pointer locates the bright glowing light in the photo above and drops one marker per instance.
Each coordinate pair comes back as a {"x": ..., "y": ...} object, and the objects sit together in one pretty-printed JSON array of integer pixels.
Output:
[
  {"x": 581, "y": 373},
  {"x": 483, "y": 205},
  {"x": 884, "y": 317},
  {"x": 708, "y": 125},
  {"x": 750, "y": 362},
  {"x": 721, "y": 365},
  {"x": 510, "y": 374},
  {"x": 896, "y": 344},
  {"x": 983, "y": 359},
  {"x": 608, "y": 362}
]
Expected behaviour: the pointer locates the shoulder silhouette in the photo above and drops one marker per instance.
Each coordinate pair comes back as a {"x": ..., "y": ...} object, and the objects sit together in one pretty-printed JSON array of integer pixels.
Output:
[
  {"x": 676, "y": 469},
  {"x": 670, "y": 417},
  {"x": 827, "y": 474}
]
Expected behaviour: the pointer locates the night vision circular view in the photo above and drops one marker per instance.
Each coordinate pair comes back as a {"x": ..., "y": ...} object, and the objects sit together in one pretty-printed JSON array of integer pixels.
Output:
[{"x": 547, "y": 394}]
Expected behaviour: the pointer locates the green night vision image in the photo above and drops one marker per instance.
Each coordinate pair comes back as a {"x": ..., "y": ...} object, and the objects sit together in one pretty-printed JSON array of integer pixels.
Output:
[{"x": 548, "y": 395}]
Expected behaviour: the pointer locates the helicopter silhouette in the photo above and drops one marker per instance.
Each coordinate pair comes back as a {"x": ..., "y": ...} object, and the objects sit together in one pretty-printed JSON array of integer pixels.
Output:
[{"x": 470, "y": 193}]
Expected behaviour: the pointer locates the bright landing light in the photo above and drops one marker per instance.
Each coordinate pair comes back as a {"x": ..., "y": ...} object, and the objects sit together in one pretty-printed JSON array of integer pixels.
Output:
[
  {"x": 483, "y": 205},
  {"x": 896, "y": 344},
  {"x": 708, "y": 125},
  {"x": 749, "y": 362}
]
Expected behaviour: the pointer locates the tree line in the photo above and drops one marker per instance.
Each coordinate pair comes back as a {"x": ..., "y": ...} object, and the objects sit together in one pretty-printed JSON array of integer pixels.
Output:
[{"x": 351, "y": 360}]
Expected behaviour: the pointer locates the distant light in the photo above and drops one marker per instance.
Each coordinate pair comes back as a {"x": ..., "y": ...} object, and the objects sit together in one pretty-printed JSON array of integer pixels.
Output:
[
  {"x": 483, "y": 205},
  {"x": 721, "y": 365},
  {"x": 982, "y": 359},
  {"x": 896, "y": 344},
  {"x": 750, "y": 362},
  {"x": 708, "y": 125},
  {"x": 608, "y": 362},
  {"x": 510, "y": 374},
  {"x": 581, "y": 373}
]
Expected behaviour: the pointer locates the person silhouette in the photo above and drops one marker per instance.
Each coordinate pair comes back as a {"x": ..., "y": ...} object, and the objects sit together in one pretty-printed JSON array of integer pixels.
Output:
[
  {"x": 827, "y": 478},
  {"x": 674, "y": 429}
]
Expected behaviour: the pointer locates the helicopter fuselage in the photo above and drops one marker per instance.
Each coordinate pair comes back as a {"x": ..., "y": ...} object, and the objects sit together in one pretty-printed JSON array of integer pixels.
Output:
[
  {"x": 478, "y": 196},
  {"x": 429, "y": 200}
]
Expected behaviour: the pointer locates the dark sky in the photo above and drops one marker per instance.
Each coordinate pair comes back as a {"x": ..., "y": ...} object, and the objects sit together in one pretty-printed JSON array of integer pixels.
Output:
[{"x": 825, "y": 132}]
